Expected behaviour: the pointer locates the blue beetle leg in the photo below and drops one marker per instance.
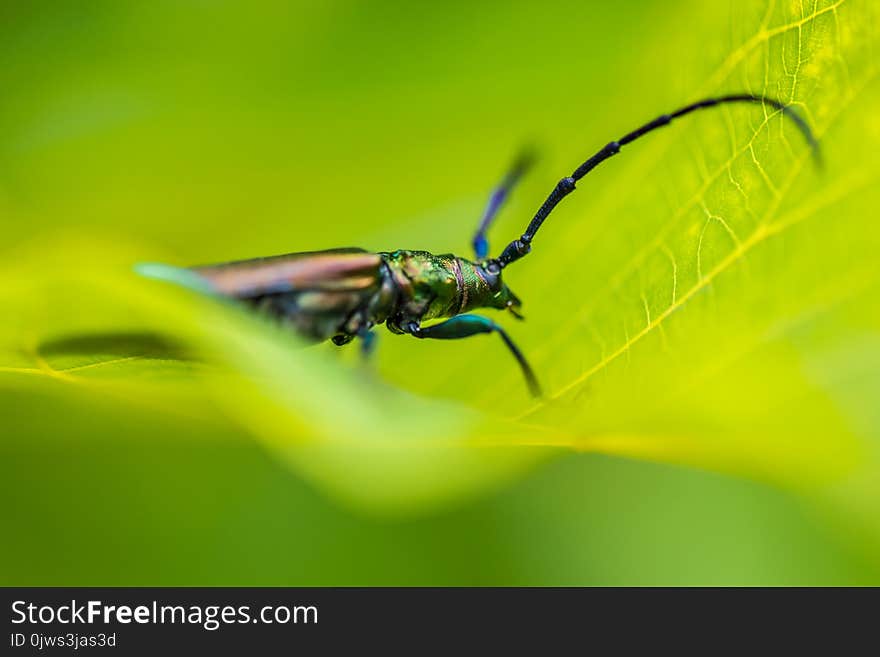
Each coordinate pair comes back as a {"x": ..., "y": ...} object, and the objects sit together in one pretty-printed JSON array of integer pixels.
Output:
[
  {"x": 367, "y": 345},
  {"x": 496, "y": 200},
  {"x": 368, "y": 342},
  {"x": 464, "y": 326}
]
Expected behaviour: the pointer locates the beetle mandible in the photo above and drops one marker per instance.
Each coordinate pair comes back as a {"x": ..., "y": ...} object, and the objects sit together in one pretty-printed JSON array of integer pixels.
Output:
[{"x": 341, "y": 294}]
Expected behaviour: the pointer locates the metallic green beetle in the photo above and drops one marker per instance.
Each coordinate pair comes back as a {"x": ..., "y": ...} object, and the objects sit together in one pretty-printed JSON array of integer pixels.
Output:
[{"x": 342, "y": 294}]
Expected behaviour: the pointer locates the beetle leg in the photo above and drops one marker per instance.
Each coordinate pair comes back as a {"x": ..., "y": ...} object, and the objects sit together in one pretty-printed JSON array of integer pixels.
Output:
[
  {"x": 499, "y": 195},
  {"x": 464, "y": 326},
  {"x": 368, "y": 342}
]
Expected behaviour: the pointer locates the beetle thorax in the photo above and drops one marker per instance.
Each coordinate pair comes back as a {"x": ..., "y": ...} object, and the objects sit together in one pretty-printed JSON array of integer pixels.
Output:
[
  {"x": 427, "y": 286},
  {"x": 437, "y": 286}
]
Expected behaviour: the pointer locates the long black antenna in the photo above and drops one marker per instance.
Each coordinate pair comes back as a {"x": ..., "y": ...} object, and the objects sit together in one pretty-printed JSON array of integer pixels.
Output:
[{"x": 520, "y": 247}]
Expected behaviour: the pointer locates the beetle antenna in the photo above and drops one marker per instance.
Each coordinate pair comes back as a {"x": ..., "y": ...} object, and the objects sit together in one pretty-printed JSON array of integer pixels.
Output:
[{"x": 520, "y": 247}]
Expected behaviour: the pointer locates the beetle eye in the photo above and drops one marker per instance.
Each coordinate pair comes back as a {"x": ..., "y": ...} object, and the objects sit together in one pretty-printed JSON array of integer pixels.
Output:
[
  {"x": 492, "y": 267},
  {"x": 493, "y": 279}
]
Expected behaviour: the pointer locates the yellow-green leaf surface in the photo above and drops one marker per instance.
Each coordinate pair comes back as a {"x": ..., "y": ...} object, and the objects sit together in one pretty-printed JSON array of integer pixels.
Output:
[{"x": 710, "y": 298}]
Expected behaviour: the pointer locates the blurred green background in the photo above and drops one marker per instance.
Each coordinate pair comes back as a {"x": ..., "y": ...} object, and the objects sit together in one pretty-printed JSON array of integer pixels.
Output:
[{"x": 703, "y": 311}]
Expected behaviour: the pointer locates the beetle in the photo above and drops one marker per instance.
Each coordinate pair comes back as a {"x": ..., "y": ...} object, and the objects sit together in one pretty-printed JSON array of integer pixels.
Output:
[{"x": 342, "y": 294}]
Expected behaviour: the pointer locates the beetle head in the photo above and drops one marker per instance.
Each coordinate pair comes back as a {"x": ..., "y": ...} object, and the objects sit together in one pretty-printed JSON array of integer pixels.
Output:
[{"x": 499, "y": 295}]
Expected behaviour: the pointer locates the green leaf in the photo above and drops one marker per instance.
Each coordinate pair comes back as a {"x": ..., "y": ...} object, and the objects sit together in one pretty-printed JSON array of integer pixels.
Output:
[{"x": 709, "y": 298}]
